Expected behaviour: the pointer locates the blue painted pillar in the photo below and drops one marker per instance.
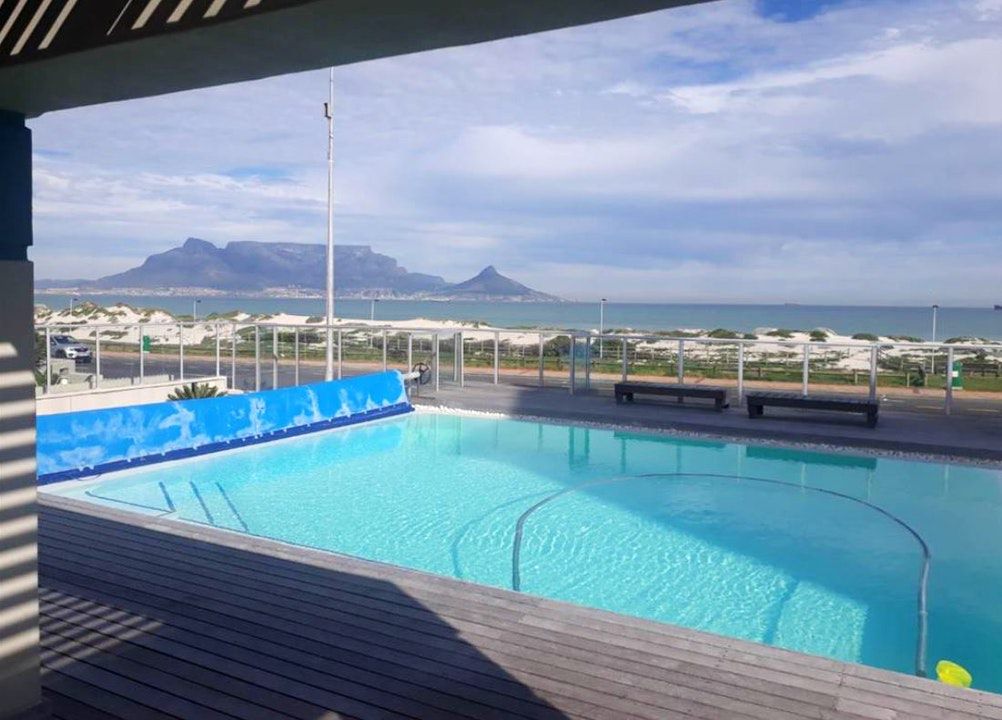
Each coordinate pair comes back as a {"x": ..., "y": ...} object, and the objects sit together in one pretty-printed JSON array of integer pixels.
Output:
[{"x": 19, "y": 650}]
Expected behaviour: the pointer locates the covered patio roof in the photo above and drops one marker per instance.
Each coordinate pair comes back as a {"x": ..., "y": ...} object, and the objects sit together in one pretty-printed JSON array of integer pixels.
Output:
[{"x": 57, "y": 54}]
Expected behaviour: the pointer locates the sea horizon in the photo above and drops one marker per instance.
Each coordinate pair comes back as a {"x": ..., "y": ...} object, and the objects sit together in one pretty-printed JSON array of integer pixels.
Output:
[{"x": 884, "y": 320}]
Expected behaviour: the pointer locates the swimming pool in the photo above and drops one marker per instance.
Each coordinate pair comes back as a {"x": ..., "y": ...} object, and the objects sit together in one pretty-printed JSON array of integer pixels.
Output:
[{"x": 820, "y": 553}]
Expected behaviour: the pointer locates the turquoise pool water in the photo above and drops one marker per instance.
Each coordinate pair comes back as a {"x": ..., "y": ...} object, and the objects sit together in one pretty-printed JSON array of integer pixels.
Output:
[{"x": 802, "y": 550}]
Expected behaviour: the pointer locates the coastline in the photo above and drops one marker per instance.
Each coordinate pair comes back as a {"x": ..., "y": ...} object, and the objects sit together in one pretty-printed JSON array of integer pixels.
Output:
[
  {"x": 844, "y": 352},
  {"x": 906, "y": 323}
]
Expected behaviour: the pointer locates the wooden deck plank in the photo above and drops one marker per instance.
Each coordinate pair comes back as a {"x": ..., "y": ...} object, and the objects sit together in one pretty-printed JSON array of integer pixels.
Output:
[
  {"x": 143, "y": 615},
  {"x": 316, "y": 648},
  {"x": 72, "y": 698},
  {"x": 643, "y": 632},
  {"x": 311, "y": 654},
  {"x": 149, "y": 647},
  {"x": 699, "y": 680},
  {"x": 260, "y": 671},
  {"x": 417, "y": 586},
  {"x": 583, "y": 619},
  {"x": 301, "y": 634}
]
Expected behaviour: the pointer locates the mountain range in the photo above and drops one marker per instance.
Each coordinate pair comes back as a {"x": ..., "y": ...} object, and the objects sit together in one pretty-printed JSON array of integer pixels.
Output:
[{"x": 246, "y": 267}]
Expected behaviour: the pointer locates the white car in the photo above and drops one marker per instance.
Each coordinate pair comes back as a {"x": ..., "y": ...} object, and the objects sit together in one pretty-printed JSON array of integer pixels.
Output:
[{"x": 66, "y": 347}]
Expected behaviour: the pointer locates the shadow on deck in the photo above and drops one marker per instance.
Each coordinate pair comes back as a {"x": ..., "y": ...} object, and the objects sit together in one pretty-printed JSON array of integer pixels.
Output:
[{"x": 138, "y": 624}]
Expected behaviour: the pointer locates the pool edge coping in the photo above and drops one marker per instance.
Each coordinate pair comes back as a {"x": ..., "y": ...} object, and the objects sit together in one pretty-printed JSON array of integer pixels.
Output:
[{"x": 918, "y": 452}]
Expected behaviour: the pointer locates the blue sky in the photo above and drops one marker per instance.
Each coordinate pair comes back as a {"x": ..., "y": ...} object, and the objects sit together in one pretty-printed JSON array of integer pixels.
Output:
[{"x": 737, "y": 151}]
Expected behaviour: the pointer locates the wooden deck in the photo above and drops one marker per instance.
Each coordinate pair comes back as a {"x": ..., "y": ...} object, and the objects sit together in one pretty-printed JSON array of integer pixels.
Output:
[{"x": 143, "y": 618}]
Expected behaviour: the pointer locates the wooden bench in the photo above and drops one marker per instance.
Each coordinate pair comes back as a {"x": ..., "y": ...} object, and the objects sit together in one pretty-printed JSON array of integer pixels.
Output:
[
  {"x": 626, "y": 390},
  {"x": 837, "y": 403}
]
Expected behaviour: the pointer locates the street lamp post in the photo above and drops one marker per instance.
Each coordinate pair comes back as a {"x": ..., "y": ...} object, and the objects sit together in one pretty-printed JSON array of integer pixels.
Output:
[
  {"x": 72, "y": 300},
  {"x": 329, "y": 294},
  {"x": 372, "y": 316},
  {"x": 194, "y": 309},
  {"x": 601, "y": 328},
  {"x": 932, "y": 357}
]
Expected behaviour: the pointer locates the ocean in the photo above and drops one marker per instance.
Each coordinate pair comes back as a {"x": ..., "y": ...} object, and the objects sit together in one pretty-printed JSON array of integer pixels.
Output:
[{"x": 913, "y": 321}]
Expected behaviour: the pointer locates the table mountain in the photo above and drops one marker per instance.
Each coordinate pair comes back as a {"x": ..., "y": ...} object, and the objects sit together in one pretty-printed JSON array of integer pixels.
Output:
[
  {"x": 275, "y": 267},
  {"x": 246, "y": 266}
]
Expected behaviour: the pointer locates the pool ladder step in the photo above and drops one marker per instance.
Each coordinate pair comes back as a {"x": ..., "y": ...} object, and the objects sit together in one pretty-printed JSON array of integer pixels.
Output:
[{"x": 215, "y": 504}]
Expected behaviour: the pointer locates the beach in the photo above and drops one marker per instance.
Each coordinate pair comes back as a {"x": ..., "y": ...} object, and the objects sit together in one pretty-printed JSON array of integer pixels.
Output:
[{"x": 642, "y": 317}]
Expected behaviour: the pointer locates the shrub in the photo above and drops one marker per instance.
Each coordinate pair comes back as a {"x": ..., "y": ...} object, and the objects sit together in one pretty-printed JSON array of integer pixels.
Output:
[
  {"x": 780, "y": 333},
  {"x": 749, "y": 336},
  {"x": 870, "y": 337},
  {"x": 560, "y": 345},
  {"x": 819, "y": 336},
  {"x": 306, "y": 337},
  {"x": 722, "y": 334},
  {"x": 195, "y": 391}
]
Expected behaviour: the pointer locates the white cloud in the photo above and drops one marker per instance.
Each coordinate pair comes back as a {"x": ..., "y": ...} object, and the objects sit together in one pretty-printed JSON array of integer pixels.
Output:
[{"x": 706, "y": 145}]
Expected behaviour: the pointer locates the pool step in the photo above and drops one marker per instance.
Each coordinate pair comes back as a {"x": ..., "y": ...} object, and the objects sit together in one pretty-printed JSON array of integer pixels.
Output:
[{"x": 204, "y": 503}]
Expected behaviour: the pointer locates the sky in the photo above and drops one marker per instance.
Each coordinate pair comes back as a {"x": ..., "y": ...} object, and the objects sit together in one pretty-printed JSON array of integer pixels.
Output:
[{"x": 840, "y": 152}]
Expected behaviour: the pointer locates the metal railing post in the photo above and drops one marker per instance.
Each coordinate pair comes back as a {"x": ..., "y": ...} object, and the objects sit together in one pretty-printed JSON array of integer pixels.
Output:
[
  {"x": 340, "y": 356},
  {"x": 541, "y": 369},
  {"x": 948, "y": 404},
  {"x": 434, "y": 357},
  {"x": 741, "y": 372},
  {"x": 384, "y": 349},
  {"x": 573, "y": 368},
  {"x": 873, "y": 372},
  {"x": 588, "y": 361},
  {"x": 219, "y": 368},
  {"x": 807, "y": 369},
  {"x": 180, "y": 349},
  {"x": 48, "y": 358},
  {"x": 497, "y": 357},
  {"x": 142, "y": 357},
  {"x": 681, "y": 361},
  {"x": 257, "y": 358},
  {"x": 233, "y": 356},
  {"x": 455, "y": 357},
  {"x": 626, "y": 361},
  {"x": 410, "y": 351},
  {"x": 295, "y": 353},
  {"x": 274, "y": 357},
  {"x": 97, "y": 357}
]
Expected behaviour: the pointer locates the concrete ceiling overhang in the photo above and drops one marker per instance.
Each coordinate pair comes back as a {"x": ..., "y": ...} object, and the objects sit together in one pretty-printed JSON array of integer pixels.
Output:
[{"x": 57, "y": 54}]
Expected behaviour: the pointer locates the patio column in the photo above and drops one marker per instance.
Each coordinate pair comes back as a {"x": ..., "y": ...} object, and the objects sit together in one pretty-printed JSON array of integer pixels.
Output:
[{"x": 20, "y": 694}]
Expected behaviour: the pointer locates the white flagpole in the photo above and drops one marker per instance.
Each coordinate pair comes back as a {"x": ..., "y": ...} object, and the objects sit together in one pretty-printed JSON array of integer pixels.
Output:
[{"x": 329, "y": 113}]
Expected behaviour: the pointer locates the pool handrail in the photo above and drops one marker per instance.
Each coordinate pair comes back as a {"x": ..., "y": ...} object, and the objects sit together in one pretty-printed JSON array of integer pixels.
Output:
[{"x": 922, "y": 609}]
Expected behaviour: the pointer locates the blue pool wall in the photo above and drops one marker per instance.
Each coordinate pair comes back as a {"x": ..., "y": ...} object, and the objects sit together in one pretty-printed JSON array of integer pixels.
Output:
[{"x": 78, "y": 444}]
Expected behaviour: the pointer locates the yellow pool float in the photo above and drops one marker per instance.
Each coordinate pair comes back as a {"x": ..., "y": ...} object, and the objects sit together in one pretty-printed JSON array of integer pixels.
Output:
[{"x": 952, "y": 674}]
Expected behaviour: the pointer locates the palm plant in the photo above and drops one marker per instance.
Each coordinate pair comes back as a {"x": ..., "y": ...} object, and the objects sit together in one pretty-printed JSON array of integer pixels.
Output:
[{"x": 195, "y": 391}]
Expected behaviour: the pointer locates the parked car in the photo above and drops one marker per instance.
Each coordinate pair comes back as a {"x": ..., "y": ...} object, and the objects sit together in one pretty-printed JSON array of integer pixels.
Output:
[{"x": 65, "y": 346}]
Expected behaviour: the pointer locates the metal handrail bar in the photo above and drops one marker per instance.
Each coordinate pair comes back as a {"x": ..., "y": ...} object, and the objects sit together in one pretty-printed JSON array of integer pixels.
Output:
[{"x": 922, "y": 609}]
